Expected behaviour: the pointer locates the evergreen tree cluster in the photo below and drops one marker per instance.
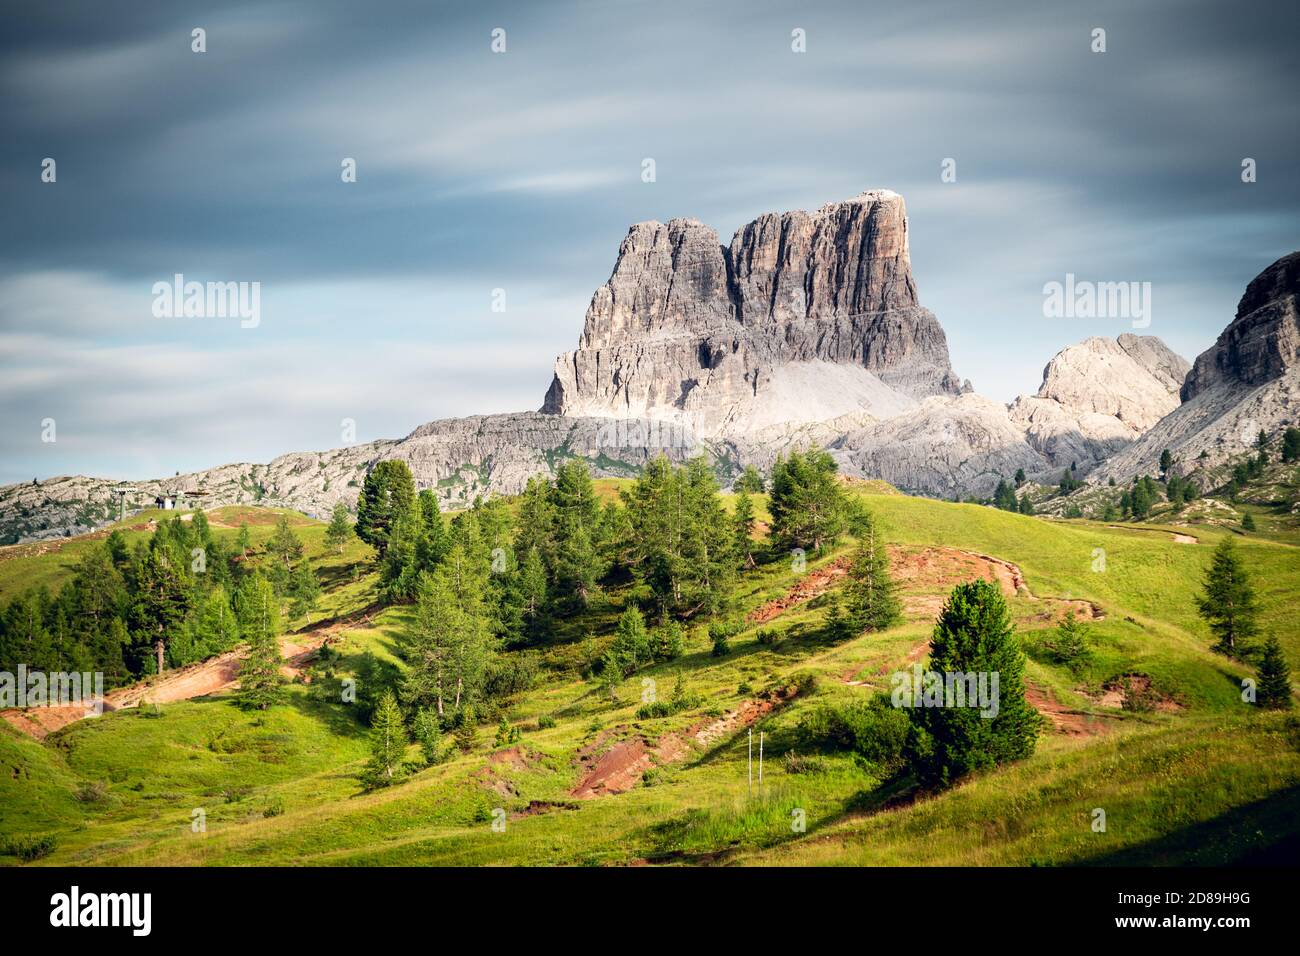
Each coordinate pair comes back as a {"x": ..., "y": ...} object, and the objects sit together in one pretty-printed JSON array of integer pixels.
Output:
[{"x": 179, "y": 597}]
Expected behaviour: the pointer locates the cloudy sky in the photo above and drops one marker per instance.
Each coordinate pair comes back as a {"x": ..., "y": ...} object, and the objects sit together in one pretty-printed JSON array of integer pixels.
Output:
[{"x": 522, "y": 171}]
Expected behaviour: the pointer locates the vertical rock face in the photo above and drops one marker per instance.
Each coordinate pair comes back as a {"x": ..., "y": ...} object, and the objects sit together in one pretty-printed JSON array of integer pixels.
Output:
[
  {"x": 725, "y": 337},
  {"x": 1247, "y": 382},
  {"x": 1263, "y": 341}
]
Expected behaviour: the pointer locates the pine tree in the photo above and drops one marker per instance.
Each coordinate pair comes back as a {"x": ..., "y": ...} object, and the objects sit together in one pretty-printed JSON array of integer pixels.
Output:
[
  {"x": 162, "y": 593},
  {"x": 243, "y": 541},
  {"x": 284, "y": 544},
  {"x": 974, "y": 635},
  {"x": 533, "y": 596},
  {"x": 1228, "y": 602},
  {"x": 631, "y": 647},
  {"x": 1273, "y": 680},
  {"x": 1166, "y": 462},
  {"x": 215, "y": 628},
  {"x": 1248, "y": 522},
  {"x": 1291, "y": 445},
  {"x": 1026, "y": 507},
  {"x": 428, "y": 733},
  {"x": 750, "y": 481},
  {"x": 304, "y": 590},
  {"x": 806, "y": 502},
  {"x": 388, "y": 743},
  {"x": 611, "y": 675},
  {"x": 1004, "y": 497},
  {"x": 259, "y": 625},
  {"x": 448, "y": 644},
  {"x": 1020, "y": 477},
  {"x": 340, "y": 528},
  {"x": 387, "y": 493},
  {"x": 872, "y": 594},
  {"x": 1070, "y": 644},
  {"x": 743, "y": 522},
  {"x": 668, "y": 642}
]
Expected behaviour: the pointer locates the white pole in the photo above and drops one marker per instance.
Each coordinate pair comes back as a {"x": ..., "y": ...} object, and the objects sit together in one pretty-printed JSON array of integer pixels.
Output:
[
  {"x": 760, "y": 758},
  {"x": 751, "y": 759}
]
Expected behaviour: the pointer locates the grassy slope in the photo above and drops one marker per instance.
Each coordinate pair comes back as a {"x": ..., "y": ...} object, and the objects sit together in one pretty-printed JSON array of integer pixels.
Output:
[{"x": 1202, "y": 784}]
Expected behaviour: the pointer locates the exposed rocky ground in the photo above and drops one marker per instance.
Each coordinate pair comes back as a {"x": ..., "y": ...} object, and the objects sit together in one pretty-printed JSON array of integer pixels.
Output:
[{"x": 806, "y": 330}]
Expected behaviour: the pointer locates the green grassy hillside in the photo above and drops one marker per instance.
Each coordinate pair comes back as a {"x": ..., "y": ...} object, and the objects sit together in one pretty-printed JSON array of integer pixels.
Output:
[{"x": 1199, "y": 778}]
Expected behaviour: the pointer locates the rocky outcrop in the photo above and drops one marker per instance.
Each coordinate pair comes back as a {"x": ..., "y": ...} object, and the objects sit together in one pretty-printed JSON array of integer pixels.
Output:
[
  {"x": 1099, "y": 396},
  {"x": 1247, "y": 382},
  {"x": 721, "y": 337}
]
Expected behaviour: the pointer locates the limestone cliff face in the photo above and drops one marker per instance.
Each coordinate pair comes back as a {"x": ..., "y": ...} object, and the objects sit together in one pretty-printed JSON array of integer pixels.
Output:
[
  {"x": 1098, "y": 396},
  {"x": 1247, "y": 382},
  {"x": 717, "y": 336},
  {"x": 1263, "y": 342}
]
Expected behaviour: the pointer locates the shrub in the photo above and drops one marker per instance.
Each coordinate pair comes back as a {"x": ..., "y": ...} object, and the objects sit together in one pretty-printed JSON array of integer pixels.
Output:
[
  {"x": 875, "y": 729},
  {"x": 1069, "y": 645},
  {"x": 274, "y": 807},
  {"x": 510, "y": 674},
  {"x": 28, "y": 848},
  {"x": 794, "y": 763},
  {"x": 92, "y": 792},
  {"x": 545, "y": 722}
]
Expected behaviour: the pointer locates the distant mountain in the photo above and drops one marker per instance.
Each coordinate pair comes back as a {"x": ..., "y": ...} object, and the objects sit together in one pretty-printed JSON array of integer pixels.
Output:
[
  {"x": 806, "y": 330},
  {"x": 1247, "y": 382},
  {"x": 803, "y": 318}
]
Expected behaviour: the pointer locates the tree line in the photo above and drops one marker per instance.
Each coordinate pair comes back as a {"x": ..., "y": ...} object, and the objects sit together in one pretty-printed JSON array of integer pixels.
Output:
[{"x": 180, "y": 596}]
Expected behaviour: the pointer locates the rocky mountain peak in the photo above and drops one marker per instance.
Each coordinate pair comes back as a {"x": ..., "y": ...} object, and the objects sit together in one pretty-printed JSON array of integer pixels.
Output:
[
  {"x": 719, "y": 336},
  {"x": 1263, "y": 341}
]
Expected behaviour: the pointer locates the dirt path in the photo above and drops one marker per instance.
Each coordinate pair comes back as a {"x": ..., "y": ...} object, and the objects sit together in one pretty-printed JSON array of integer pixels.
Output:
[
  {"x": 1179, "y": 537},
  {"x": 812, "y": 585},
  {"x": 1071, "y": 723},
  {"x": 212, "y": 676},
  {"x": 622, "y": 766}
]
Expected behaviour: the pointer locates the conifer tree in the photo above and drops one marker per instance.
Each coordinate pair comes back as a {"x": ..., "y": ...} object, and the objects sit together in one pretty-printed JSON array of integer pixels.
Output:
[
  {"x": 1291, "y": 445},
  {"x": 872, "y": 594},
  {"x": 304, "y": 589},
  {"x": 974, "y": 635},
  {"x": 340, "y": 528},
  {"x": 388, "y": 743},
  {"x": 449, "y": 643},
  {"x": 284, "y": 544},
  {"x": 1273, "y": 680},
  {"x": 259, "y": 625},
  {"x": 743, "y": 522},
  {"x": 387, "y": 493},
  {"x": 428, "y": 733},
  {"x": 533, "y": 595},
  {"x": 806, "y": 503},
  {"x": 631, "y": 648},
  {"x": 1228, "y": 601},
  {"x": 750, "y": 481}
]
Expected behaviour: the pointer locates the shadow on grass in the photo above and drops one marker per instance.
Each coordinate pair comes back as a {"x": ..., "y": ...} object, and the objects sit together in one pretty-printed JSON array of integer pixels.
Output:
[{"x": 1263, "y": 833}]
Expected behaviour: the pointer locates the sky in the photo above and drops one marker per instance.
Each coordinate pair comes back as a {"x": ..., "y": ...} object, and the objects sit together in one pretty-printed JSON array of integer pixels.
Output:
[{"x": 522, "y": 170}]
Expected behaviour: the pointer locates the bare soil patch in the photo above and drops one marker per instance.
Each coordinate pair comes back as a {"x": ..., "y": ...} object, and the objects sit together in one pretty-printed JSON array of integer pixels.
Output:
[
  {"x": 622, "y": 766},
  {"x": 813, "y": 584},
  {"x": 1072, "y": 723}
]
